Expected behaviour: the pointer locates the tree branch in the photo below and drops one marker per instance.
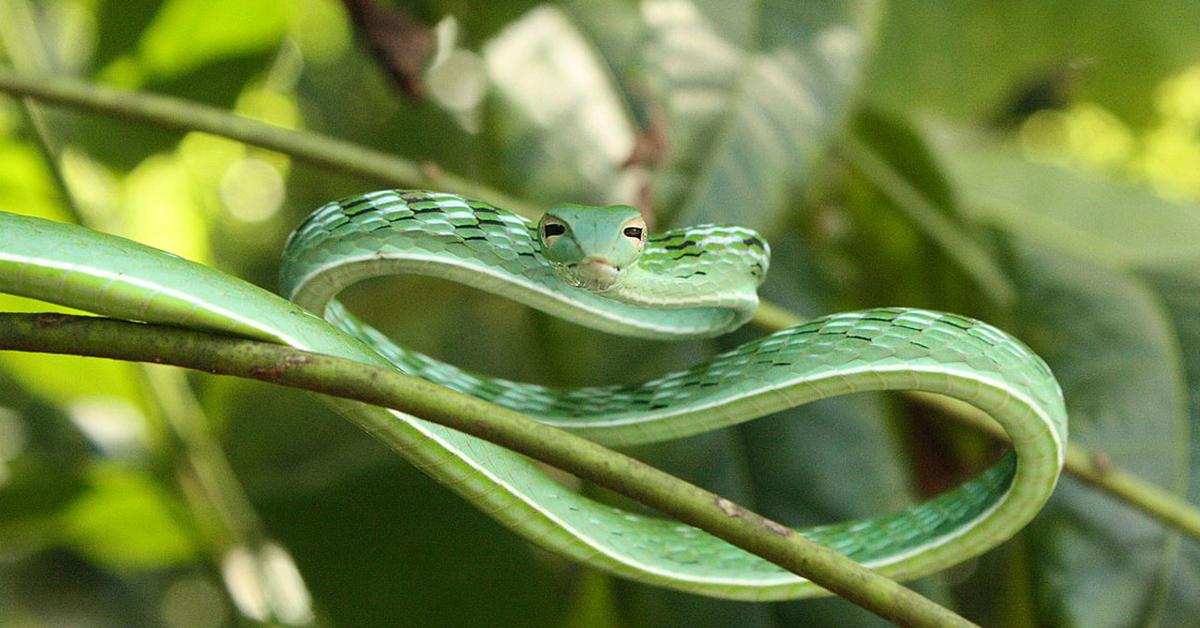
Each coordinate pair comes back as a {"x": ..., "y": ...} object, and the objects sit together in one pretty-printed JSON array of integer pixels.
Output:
[
  {"x": 123, "y": 340},
  {"x": 314, "y": 148},
  {"x": 1090, "y": 467}
]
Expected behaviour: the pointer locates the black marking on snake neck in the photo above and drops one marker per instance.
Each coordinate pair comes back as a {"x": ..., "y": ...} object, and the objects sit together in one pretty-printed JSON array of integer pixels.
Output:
[{"x": 753, "y": 241}]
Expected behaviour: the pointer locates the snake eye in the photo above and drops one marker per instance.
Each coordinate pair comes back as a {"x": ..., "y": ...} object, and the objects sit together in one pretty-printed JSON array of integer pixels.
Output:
[
  {"x": 551, "y": 229},
  {"x": 636, "y": 233}
]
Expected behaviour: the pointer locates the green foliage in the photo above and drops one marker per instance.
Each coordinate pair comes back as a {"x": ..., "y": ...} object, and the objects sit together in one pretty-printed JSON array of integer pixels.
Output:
[{"x": 994, "y": 158}]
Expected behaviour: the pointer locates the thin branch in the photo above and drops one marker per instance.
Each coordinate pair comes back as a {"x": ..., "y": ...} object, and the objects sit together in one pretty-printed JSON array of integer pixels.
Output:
[
  {"x": 224, "y": 515},
  {"x": 350, "y": 158},
  {"x": 401, "y": 44},
  {"x": 123, "y": 340},
  {"x": 1091, "y": 467},
  {"x": 960, "y": 247},
  {"x": 320, "y": 150}
]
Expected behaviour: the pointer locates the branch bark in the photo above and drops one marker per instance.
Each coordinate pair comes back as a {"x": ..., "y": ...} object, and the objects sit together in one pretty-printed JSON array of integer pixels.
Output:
[
  {"x": 277, "y": 364},
  {"x": 320, "y": 150}
]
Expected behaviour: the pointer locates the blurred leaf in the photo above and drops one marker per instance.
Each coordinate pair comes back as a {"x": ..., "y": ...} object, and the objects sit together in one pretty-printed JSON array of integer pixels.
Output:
[
  {"x": 1078, "y": 213},
  {"x": 979, "y": 58},
  {"x": 126, "y": 522},
  {"x": 119, "y": 22},
  {"x": 26, "y": 187},
  {"x": 1117, "y": 356},
  {"x": 41, "y": 460},
  {"x": 187, "y": 34},
  {"x": 782, "y": 92},
  {"x": 385, "y": 545},
  {"x": 58, "y": 588},
  {"x": 194, "y": 49},
  {"x": 1180, "y": 292},
  {"x": 561, "y": 119}
]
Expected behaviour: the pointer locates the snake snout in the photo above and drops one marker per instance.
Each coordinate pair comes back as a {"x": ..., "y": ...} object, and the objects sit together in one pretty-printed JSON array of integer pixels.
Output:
[
  {"x": 598, "y": 260},
  {"x": 595, "y": 272}
]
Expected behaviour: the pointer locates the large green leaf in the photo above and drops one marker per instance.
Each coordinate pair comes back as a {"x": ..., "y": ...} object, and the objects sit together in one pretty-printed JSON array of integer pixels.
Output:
[
  {"x": 753, "y": 93},
  {"x": 1179, "y": 290},
  {"x": 559, "y": 115},
  {"x": 747, "y": 95},
  {"x": 1080, "y": 213},
  {"x": 1096, "y": 561}
]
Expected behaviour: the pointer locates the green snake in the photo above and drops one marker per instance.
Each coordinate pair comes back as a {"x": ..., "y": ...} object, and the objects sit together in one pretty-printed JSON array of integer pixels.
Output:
[{"x": 598, "y": 267}]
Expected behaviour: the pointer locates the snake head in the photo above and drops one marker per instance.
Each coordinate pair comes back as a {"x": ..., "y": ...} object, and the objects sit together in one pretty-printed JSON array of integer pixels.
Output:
[{"x": 592, "y": 246}]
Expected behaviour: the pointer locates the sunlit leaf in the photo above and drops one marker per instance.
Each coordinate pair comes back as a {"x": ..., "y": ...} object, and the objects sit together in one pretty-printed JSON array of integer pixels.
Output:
[
  {"x": 564, "y": 114},
  {"x": 186, "y": 34},
  {"x": 126, "y": 522},
  {"x": 1082, "y": 214}
]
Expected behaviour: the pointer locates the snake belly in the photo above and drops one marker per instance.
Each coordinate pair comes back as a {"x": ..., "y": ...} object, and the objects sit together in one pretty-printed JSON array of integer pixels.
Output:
[{"x": 447, "y": 236}]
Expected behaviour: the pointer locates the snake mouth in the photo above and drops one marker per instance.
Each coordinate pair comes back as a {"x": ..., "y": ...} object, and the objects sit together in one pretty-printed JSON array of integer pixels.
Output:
[{"x": 595, "y": 273}]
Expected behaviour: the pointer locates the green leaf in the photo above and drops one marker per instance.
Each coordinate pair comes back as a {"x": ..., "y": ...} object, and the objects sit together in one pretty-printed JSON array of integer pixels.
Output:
[
  {"x": 559, "y": 112},
  {"x": 187, "y": 34},
  {"x": 895, "y": 161},
  {"x": 126, "y": 522},
  {"x": 386, "y": 545},
  {"x": 978, "y": 59},
  {"x": 748, "y": 119},
  {"x": 41, "y": 459},
  {"x": 1106, "y": 337},
  {"x": 1079, "y": 213},
  {"x": 1180, "y": 292}
]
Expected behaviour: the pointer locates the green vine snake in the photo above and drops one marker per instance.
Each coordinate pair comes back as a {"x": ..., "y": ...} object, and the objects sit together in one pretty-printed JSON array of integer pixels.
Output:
[{"x": 598, "y": 267}]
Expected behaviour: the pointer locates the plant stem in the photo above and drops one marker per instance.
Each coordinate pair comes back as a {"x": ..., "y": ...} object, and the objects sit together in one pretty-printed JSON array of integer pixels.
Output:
[
  {"x": 123, "y": 340},
  {"x": 314, "y": 148},
  {"x": 958, "y": 246},
  {"x": 1091, "y": 467}
]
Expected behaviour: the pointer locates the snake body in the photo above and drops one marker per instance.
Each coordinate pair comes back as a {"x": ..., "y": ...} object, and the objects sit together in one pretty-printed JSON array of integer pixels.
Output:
[{"x": 694, "y": 281}]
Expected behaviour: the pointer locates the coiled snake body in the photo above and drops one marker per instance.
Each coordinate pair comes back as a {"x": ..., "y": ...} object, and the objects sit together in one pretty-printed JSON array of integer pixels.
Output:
[{"x": 598, "y": 267}]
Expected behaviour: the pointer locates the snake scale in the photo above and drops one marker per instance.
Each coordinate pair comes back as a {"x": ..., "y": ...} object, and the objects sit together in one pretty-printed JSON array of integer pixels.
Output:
[{"x": 598, "y": 267}]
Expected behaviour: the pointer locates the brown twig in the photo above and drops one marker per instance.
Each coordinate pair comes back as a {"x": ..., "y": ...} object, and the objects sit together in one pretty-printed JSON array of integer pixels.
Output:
[
  {"x": 650, "y": 144},
  {"x": 400, "y": 43}
]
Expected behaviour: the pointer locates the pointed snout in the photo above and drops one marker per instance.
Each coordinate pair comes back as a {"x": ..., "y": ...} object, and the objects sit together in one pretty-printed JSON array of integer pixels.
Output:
[{"x": 596, "y": 272}]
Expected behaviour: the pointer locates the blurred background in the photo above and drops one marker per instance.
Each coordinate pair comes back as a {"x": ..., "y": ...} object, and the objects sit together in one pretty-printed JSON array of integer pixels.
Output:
[{"x": 1033, "y": 164}]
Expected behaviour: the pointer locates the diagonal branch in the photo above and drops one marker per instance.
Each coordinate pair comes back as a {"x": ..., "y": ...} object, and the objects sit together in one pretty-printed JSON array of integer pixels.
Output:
[
  {"x": 320, "y": 150},
  {"x": 123, "y": 340},
  {"x": 1090, "y": 467}
]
